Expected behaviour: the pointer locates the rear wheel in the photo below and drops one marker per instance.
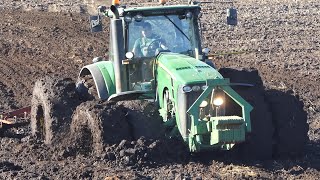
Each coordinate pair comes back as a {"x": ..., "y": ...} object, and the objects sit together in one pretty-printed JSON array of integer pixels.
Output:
[
  {"x": 258, "y": 144},
  {"x": 291, "y": 128},
  {"x": 53, "y": 102}
]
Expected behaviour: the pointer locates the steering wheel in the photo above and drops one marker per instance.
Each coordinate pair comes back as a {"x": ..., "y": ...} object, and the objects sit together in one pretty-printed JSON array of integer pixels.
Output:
[{"x": 153, "y": 46}]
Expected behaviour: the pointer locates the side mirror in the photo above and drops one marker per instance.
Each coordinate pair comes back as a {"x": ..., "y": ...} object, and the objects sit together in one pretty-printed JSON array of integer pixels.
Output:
[
  {"x": 97, "y": 59},
  {"x": 232, "y": 18},
  {"x": 95, "y": 24},
  {"x": 206, "y": 51}
]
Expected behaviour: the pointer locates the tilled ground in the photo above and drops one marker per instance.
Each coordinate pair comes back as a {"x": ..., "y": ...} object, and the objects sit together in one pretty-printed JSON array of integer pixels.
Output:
[{"x": 279, "y": 38}]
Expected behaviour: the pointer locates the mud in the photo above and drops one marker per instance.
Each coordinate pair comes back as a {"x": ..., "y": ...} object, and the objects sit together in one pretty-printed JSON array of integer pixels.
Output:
[
  {"x": 278, "y": 38},
  {"x": 53, "y": 101}
]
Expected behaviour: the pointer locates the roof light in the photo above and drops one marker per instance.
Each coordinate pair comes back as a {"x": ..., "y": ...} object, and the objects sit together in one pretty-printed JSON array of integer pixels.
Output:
[
  {"x": 204, "y": 87},
  {"x": 189, "y": 15},
  {"x": 138, "y": 17},
  {"x": 196, "y": 88},
  {"x": 128, "y": 18}
]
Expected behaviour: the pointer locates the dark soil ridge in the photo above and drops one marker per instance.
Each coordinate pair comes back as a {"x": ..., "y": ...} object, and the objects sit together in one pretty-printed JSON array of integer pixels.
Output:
[{"x": 283, "y": 109}]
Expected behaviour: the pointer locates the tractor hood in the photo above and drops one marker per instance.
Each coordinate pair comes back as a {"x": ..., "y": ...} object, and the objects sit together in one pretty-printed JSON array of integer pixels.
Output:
[{"x": 186, "y": 69}]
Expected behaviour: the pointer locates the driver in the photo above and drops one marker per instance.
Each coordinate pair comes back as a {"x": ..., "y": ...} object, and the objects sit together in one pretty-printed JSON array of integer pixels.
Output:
[{"x": 149, "y": 43}]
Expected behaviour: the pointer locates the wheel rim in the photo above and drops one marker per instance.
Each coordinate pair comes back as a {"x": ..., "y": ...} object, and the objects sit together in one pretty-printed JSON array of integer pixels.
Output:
[{"x": 168, "y": 106}]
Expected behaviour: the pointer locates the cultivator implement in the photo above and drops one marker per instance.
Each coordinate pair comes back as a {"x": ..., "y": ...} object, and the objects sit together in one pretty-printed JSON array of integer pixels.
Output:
[{"x": 15, "y": 117}]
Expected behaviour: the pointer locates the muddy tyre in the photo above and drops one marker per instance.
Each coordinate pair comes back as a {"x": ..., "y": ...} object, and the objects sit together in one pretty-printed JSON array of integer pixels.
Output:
[
  {"x": 290, "y": 122},
  {"x": 144, "y": 119},
  {"x": 53, "y": 102},
  {"x": 95, "y": 124},
  {"x": 258, "y": 144}
]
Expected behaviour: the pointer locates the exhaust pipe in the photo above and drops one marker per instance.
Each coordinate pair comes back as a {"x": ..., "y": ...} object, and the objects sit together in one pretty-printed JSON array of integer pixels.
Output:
[{"x": 118, "y": 46}]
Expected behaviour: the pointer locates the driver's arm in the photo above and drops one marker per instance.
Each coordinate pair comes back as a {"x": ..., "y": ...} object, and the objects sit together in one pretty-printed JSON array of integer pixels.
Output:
[{"x": 163, "y": 44}]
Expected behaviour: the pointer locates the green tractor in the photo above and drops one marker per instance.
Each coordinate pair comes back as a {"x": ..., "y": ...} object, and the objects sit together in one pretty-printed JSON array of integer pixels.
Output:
[
  {"x": 155, "y": 53},
  {"x": 170, "y": 67}
]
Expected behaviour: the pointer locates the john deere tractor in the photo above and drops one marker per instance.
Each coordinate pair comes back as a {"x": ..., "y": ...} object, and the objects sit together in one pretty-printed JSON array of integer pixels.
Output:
[
  {"x": 155, "y": 53},
  {"x": 170, "y": 68}
]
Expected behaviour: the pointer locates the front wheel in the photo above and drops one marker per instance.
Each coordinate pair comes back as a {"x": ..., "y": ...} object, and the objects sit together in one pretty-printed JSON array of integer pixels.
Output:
[{"x": 95, "y": 124}]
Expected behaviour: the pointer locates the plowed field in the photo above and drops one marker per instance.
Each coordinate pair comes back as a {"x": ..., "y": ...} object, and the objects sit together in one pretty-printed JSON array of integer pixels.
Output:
[{"x": 278, "y": 38}]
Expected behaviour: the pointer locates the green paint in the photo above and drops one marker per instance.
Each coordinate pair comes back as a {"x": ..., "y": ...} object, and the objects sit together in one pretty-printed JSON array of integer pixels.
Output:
[{"x": 106, "y": 68}]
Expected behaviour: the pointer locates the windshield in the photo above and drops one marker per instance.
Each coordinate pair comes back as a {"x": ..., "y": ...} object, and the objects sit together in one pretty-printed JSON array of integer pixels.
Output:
[{"x": 172, "y": 33}]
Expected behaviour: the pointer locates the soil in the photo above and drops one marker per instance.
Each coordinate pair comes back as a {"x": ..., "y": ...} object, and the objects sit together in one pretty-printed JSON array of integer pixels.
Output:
[{"x": 278, "y": 38}]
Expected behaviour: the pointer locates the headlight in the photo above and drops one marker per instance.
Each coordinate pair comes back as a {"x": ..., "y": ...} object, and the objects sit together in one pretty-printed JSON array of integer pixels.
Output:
[
  {"x": 203, "y": 104},
  {"x": 187, "y": 89},
  {"x": 138, "y": 17},
  {"x": 218, "y": 101},
  {"x": 129, "y": 55},
  {"x": 195, "y": 88},
  {"x": 204, "y": 87},
  {"x": 189, "y": 15}
]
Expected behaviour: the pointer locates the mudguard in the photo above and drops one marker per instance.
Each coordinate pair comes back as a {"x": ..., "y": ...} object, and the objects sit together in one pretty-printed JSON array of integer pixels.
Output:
[{"x": 103, "y": 76}]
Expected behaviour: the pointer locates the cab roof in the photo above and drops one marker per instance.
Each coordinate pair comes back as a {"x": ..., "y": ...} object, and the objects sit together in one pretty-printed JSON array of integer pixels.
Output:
[{"x": 154, "y": 10}]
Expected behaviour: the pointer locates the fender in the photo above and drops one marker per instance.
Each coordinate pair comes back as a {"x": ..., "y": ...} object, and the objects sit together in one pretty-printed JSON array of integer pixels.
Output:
[{"x": 103, "y": 75}]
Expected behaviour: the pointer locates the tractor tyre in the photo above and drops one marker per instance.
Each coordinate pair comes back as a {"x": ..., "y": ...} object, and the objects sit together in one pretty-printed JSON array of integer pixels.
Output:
[
  {"x": 290, "y": 122},
  {"x": 53, "y": 102},
  {"x": 258, "y": 144},
  {"x": 143, "y": 118},
  {"x": 95, "y": 124},
  {"x": 86, "y": 88}
]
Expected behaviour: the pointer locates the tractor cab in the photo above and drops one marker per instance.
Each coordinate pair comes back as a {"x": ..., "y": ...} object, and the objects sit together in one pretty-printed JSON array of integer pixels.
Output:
[
  {"x": 149, "y": 34},
  {"x": 139, "y": 34}
]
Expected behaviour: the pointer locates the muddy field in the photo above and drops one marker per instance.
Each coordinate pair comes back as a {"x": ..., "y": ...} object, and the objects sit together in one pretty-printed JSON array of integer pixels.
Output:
[{"x": 278, "y": 38}]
